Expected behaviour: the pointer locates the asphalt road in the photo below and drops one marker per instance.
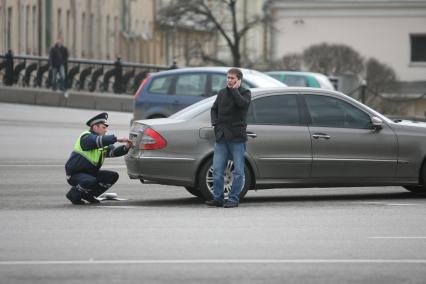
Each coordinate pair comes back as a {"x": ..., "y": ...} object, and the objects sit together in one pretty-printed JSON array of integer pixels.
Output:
[{"x": 161, "y": 234}]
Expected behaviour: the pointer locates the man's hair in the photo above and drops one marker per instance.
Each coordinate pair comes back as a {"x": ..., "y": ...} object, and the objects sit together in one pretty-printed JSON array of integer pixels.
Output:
[{"x": 236, "y": 72}]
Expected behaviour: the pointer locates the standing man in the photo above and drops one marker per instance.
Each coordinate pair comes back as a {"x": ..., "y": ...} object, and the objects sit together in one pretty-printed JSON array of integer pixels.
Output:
[
  {"x": 58, "y": 57},
  {"x": 229, "y": 119},
  {"x": 83, "y": 166}
]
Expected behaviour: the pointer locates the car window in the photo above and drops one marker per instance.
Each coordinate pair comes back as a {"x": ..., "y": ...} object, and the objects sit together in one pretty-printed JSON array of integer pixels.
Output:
[
  {"x": 275, "y": 76},
  {"x": 277, "y": 109},
  {"x": 295, "y": 80},
  {"x": 257, "y": 79},
  {"x": 218, "y": 82},
  {"x": 191, "y": 84},
  {"x": 333, "y": 112},
  {"x": 161, "y": 85}
]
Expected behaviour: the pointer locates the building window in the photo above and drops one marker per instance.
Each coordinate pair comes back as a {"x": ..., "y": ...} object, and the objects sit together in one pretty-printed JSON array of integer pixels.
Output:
[{"x": 418, "y": 48}]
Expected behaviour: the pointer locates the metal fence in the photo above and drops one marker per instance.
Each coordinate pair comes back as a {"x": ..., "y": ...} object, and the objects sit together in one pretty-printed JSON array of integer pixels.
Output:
[{"x": 80, "y": 74}]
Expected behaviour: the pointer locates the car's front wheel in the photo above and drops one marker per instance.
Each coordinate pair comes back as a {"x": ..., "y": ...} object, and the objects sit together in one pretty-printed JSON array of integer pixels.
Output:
[
  {"x": 415, "y": 188},
  {"x": 421, "y": 188},
  {"x": 205, "y": 180}
]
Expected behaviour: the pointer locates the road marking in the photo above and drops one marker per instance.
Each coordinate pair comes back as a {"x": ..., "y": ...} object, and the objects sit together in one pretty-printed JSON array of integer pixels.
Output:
[
  {"x": 216, "y": 261},
  {"x": 414, "y": 237},
  {"x": 118, "y": 206},
  {"x": 36, "y": 165},
  {"x": 387, "y": 204}
]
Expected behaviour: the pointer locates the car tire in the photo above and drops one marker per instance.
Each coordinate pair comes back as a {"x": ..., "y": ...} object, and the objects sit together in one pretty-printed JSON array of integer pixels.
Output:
[
  {"x": 421, "y": 188},
  {"x": 415, "y": 188},
  {"x": 205, "y": 180},
  {"x": 194, "y": 191}
]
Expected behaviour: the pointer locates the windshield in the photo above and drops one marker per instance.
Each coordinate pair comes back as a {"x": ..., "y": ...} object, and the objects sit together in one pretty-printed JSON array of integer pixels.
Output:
[{"x": 258, "y": 79}]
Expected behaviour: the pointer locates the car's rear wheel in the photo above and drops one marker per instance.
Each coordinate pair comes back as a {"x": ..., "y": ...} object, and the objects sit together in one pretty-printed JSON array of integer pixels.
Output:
[
  {"x": 194, "y": 191},
  {"x": 205, "y": 180}
]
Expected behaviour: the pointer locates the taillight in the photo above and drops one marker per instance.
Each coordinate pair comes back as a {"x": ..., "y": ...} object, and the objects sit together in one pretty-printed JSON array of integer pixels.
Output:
[
  {"x": 141, "y": 86},
  {"x": 152, "y": 140}
]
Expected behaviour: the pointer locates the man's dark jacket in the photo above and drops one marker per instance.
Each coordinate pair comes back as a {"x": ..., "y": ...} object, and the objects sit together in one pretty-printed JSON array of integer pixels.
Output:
[
  {"x": 58, "y": 56},
  {"x": 229, "y": 114}
]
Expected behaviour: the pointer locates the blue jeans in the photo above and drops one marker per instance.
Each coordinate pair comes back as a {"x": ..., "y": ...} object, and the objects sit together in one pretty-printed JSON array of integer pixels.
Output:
[
  {"x": 58, "y": 78},
  {"x": 222, "y": 152}
]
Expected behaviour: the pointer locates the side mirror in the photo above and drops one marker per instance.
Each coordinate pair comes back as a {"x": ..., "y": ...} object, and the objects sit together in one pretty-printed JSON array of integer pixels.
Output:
[{"x": 376, "y": 123}]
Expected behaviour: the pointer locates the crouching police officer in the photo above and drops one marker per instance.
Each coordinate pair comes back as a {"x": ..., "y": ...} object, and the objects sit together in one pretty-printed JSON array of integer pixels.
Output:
[{"x": 83, "y": 166}]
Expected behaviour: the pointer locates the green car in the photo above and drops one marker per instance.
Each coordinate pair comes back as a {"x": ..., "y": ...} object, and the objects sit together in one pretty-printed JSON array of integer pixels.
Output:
[{"x": 302, "y": 79}]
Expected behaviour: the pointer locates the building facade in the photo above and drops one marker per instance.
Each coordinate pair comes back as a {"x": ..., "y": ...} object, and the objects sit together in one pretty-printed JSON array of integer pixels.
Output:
[
  {"x": 393, "y": 32},
  {"x": 91, "y": 29}
]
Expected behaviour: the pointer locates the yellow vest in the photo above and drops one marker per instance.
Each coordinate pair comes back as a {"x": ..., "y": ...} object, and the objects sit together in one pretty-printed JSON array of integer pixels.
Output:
[{"x": 95, "y": 156}]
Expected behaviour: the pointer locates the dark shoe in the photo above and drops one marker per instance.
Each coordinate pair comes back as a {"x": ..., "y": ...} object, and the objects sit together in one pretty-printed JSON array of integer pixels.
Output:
[
  {"x": 230, "y": 204},
  {"x": 74, "y": 196},
  {"x": 90, "y": 198},
  {"x": 214, "y": 203}
]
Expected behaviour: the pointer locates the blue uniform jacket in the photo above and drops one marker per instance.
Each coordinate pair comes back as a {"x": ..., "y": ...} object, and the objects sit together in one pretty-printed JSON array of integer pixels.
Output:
[{"x": 79, "y": 164}]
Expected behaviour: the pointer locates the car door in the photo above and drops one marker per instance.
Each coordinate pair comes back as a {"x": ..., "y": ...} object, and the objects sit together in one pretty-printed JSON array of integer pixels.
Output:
[
  {"x": 345, "y": 147},
  {"x": 282, "y": 146},
  {"x": 189, "y": 89}
]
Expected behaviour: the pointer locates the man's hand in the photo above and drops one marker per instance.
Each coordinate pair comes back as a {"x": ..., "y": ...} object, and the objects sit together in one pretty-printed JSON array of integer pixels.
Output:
[
  {"x": 237, "y": 84},
  {"x": 128, "y": 145},
  {"x": 124, "y": 140}
]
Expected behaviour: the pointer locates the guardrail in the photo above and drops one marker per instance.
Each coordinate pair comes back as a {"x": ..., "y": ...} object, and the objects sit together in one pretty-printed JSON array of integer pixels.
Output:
[{"x": 81, "y": 74}]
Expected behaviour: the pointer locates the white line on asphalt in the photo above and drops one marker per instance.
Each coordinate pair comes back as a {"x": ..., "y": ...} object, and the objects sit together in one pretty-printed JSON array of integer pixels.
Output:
[
  {"x": 387, "y": 204},
  {"x": 29, "y": 165},
  {"x": 35, "y": 165},
  {"x": 401, "y": 204},
  {"x": 414, "y": 237},
  {"x": 118, "y": 206},
  {"x": 216, "y": 261}
]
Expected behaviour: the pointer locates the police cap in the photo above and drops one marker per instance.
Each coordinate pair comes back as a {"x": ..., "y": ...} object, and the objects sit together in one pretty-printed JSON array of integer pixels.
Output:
[{"x": 100, "y": 118}]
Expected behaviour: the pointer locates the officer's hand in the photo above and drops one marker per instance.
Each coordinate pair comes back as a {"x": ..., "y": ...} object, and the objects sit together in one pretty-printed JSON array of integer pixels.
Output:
[
  {"x": 128, "y": 144},
  {"x": 124, "y": 140}
]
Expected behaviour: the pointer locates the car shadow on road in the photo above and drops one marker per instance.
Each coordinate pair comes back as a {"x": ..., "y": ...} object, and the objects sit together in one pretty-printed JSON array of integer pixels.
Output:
[
  {"x": 361, "y": 197},
  {"x": 259, "y": 200}
]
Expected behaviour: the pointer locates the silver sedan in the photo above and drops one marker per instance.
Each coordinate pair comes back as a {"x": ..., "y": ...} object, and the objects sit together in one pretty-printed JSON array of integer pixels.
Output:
[{"x": 298, "y": 137}]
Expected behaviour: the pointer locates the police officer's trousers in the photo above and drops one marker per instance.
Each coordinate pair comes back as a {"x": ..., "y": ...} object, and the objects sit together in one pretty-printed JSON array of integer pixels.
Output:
[{"x": 94, "y": 185}]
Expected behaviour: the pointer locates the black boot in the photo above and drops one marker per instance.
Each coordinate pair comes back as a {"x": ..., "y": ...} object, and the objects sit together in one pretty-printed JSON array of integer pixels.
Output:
[
  {"x": 90, "y": 198},
  {"x": 74, "y": 195}
]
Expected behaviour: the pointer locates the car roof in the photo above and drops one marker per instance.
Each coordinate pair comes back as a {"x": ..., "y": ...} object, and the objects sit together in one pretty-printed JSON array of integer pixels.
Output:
[
  {"x": 295, "y": 73},
  {"x": 255, "y": 77},
  {"x": 218, "y": 69}
]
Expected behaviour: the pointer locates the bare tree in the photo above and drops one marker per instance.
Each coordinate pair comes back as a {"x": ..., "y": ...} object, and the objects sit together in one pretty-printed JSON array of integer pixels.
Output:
[
  {"x": 381, "y": 79},
  {"x": 333, "y": 59},
  {"x": 215, "y": 16}
]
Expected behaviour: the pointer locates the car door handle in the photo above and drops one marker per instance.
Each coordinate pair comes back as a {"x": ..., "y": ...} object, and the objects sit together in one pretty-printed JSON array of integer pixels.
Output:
[
  {"x": 251, "y": 134},
  {"x": 321, "y": 136}
]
